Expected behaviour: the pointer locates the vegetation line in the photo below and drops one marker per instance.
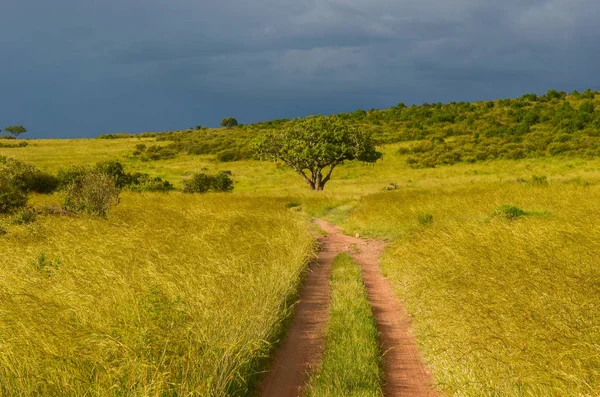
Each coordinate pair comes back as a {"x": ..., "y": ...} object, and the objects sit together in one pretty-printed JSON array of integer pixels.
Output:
[{"x": 351, "y": 363}]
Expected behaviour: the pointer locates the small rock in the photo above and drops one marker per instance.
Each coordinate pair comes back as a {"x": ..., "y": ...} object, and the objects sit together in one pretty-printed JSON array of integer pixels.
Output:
[{"x": 357, "y": 235}]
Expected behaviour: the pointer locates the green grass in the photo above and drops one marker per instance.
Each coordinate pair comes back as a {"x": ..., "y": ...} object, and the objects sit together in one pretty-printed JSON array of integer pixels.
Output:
[
  {"x": 171, "y": 295},
  {"x": 352, "y": 361}
]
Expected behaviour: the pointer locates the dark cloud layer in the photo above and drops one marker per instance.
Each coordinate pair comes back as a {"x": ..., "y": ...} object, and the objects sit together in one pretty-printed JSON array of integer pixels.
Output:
[{"x": 81, "y": 68}]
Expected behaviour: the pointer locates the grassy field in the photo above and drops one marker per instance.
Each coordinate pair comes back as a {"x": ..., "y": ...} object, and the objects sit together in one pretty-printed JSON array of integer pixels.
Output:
[
  {"x": 166, "y": 297},
  {"x": 351, "y": 363},
  {"x": 503, "y": 306}
]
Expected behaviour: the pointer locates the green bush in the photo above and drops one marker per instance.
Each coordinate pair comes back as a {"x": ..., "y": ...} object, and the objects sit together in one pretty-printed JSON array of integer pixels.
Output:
[
  {"x": 27, "y": 177},
  {"x": 587, "y": 107},
  {"x": 145, "y": 183},
  {"x": 425, "y": 219},
  {"x": 539, "y": 180},
  {"x": 15, "y": 145},
  {"x": 11, "y": 195},
  {"x": 115, "y": 170},
  {"x": 204, "y": 183},
  {"x": 93, "y": 193},
  {"x": 137, "y": 182},
  {"x": 66, "y": 177},
  {"x": 510, "y": 212}
]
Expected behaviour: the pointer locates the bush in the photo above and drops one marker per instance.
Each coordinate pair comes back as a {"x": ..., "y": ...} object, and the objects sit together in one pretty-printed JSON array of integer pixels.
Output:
[
  {"x": 226, "y": 156},
  {"x": 8, "y": 145},
  {"x": 137, "y": 182},
  {"x": 539, "y": 180},
  {"x": 11, "y": 195},
  {"x": 203, "y": 183},
  {"x": 27, "y": 177},
  {"x": 425, "y": 219},
  {"x": 587, "y": 107},
  {"x": 115, "y": 170},
  {"x": 94, "y": 193},
  {"x": 67, "y": 176},
  {"x": 510, "y": 212},
  {"x": 145, "y": 183}
]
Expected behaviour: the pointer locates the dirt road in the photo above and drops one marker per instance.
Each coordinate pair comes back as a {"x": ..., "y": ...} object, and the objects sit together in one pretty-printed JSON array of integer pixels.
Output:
[{"x": 405, "y": 374}]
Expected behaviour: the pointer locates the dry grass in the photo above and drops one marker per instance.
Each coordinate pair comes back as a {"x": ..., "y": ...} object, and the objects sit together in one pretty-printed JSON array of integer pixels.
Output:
[
  {"x": 172, "y": 295},
  {"x": 503, "y": 306}
]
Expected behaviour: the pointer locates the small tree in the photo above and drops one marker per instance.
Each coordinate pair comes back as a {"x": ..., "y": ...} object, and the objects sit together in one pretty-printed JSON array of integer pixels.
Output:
[
  {"x": 16, "y": 130},
  {"x": 229, "y": 122},
  {"x": 313, "y": 147}
]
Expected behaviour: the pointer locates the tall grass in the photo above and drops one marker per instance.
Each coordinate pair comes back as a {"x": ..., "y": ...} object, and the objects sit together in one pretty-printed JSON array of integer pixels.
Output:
[
  {"x": 171, "y": 295},
  {"x": 503, "y": 306},
  {"x": 351, "y": 363}
]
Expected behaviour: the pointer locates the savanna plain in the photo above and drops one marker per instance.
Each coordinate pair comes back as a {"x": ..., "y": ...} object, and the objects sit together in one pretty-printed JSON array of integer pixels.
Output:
[{"x": 494, "y": 256}]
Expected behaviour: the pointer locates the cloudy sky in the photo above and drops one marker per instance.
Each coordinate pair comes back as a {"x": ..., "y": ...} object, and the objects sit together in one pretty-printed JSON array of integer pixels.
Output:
[{"x": 86, "y": 67}]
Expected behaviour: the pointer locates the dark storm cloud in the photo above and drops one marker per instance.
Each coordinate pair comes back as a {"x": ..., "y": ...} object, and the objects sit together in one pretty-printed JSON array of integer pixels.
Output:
[{"x": 73, "y": 68}]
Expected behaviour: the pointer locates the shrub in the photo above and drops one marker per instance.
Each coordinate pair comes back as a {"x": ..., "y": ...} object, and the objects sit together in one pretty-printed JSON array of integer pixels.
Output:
[
  {"x": 115, "y": 170},
  {"x": 137, "y": 182},
  {"x": 203, "y": 183},
  {"x": 11, "y": 195},
  {"x": 229, "y": 155},
  {"x": 510, "y": 212},
  {"x": 8, "y": 145},
  {"x": 94, "y": 193},
  {"x": 46, "y": 265},
  {"x": 145, "y": 183},
  {"x": 24, "y": 217},
  {"x": 27, "y": 177},
  {"x": 539, "y": 180},
  {"x": 425, "y": 219},
  {"x": 66, "y": 177},
  {"x": 587, "y": 107}
]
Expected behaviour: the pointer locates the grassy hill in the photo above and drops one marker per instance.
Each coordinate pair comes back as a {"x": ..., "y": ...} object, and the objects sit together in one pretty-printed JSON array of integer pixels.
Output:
[{"x": 555, "y": 124}]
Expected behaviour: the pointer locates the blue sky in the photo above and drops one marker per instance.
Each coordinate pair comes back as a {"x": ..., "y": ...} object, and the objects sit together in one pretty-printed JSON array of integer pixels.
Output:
[{"x": 71, "y": 68}]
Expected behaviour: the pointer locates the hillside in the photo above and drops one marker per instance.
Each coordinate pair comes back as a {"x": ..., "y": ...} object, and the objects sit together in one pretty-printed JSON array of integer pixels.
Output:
[{"x": 555, "y": 124}]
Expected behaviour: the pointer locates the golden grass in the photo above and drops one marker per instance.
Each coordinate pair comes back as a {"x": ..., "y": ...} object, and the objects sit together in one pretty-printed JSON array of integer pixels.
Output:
[
  {"x": 502, "y": 307},
  {"x": 172, "y": 295}
]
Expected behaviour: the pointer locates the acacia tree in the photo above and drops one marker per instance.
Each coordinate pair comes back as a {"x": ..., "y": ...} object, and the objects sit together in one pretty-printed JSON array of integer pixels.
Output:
[
  {"x": 314, "y": 146},
  {"x": 16, "y": 130},
  {"x": 229, "y": 122}
]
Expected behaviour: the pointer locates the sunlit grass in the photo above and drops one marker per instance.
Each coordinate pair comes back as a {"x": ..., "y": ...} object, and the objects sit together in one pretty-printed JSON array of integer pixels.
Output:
[
  {"x": 351, "y": 363},
  {"x": 171, "y": 295},
  {"x": 503, "y": 306}
]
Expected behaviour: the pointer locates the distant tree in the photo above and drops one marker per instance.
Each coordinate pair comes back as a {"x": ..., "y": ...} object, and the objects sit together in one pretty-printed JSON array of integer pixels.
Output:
[
  {"x": 16, "y": 130},
  {"x": 314, "y": 146},
  {"x": 229, "y": 122}
]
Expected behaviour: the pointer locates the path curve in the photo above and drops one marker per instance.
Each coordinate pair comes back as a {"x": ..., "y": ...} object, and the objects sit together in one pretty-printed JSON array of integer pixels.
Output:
[
  {"x": 404, "y": 371},
  {"x": 303, "y": 346}
]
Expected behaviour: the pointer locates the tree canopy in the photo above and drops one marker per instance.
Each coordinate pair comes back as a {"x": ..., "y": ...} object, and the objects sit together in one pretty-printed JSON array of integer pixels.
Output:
[
  {"x": 16, "y": 130},
  {"x": 314, "y": 146},
  {"x": 229, "y": 122}
]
